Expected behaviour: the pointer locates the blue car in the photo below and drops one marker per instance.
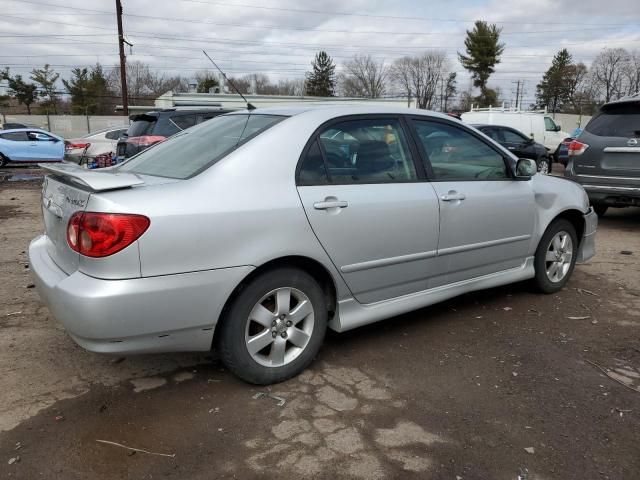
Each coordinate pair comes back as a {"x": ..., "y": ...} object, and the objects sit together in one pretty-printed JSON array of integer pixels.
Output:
[{"x": 24, "y": 145}]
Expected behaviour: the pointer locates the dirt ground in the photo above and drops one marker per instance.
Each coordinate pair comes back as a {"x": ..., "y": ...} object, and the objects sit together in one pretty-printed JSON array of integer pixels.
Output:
[{"x": 499, "y": 384}]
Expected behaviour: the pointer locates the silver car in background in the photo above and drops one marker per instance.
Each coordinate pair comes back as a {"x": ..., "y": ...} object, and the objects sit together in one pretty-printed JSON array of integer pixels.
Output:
[
  {"x": 255, "y": 231},
  {"x": 94, "y": 149}
]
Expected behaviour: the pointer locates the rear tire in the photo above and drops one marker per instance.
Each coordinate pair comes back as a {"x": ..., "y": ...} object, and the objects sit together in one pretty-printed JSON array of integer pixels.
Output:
[
  {"x": 555, "y": 256},
  {"x": 4, "y": 161},
  {"x": 600, "y": 209},
  {"x": 274, "y": 327}
]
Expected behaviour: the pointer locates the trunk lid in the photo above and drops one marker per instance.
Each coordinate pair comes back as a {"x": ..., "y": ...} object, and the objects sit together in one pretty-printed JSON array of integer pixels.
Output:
[
  {"x": 613, "y": 137},
  {"x": 66, "y": 191},
  {"x": 614, "y": 159}
]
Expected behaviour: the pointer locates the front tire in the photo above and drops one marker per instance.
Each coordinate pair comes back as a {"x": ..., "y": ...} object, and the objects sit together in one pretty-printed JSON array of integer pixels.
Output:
[
  {"x": 544, "y": 165},
  {"x": 555, "y": 257},
  {"x": 4, "y": 161},
  {"x": 274, "y": 327}
]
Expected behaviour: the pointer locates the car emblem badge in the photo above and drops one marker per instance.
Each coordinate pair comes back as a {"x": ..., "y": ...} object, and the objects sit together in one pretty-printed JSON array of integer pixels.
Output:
[{"x": 632, "y": 142}]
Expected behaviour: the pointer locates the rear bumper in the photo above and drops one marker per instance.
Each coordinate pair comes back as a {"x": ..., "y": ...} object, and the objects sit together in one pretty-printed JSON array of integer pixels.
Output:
[
  {"x": 613, "y": 195},
  {"x": 141, "y": 315},
  {"x": 588, "y": 242}
]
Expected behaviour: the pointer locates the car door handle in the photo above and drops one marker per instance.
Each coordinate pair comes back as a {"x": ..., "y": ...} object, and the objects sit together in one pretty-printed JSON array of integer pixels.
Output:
[
  {"x": 327, "y": 204},
  {"x": 511, "y": 148},
  {"x": 450, "y": 197}
]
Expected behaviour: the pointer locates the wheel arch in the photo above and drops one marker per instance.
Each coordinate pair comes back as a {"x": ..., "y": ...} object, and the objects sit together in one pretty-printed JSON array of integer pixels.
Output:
[
  {"x": 576, "y": 218},
  {"x": 309, "y": 265}
]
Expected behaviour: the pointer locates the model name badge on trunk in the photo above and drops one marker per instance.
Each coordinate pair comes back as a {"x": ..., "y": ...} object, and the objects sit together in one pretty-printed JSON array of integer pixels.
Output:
[{"x": 76, "y": 202}]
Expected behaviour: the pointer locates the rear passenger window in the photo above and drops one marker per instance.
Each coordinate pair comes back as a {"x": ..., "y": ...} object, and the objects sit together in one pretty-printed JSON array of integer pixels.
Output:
[
  {"x": 15, "y": 136},
  {"x": 492, "y": 133},
  {"x": 184, "y": 122},
  {"x": 367, "y": 151},
  {"x": 312, "y": 170},
  {"x": 455, "y": 154}
]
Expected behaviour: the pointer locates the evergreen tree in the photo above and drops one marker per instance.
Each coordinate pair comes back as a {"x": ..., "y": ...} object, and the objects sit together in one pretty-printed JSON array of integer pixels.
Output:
[
  {"x": 78, "y": 88},
  {"x": 46, "y": 78},
  {"x": 102, "y": 98},
  {"x": 555, "y": 88},
  {"x": 321, "y": 80},
  {"x": 88, "y": 90},
  {"x": 450, "y": 89},
  {"x": 206, "y": 83},
  {"x": 483, "y": 50},
  {"x": 25, "y": 93}
]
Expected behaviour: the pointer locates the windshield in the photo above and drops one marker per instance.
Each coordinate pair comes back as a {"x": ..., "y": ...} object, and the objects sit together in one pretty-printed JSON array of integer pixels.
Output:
[{"x": 192, "y": 151}]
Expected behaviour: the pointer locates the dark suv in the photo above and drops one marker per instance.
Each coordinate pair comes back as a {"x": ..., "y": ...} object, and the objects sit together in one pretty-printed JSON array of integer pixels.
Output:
[
  {"x": 153, "y": 127},
  {"x": 605, "y": 157}
]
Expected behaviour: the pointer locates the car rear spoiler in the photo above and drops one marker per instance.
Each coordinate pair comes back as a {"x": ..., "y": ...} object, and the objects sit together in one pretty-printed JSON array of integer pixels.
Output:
[{"x": 96, "y": 180}]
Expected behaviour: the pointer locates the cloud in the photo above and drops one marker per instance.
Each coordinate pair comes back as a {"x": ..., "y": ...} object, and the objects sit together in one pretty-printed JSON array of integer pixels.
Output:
[{"x": 280, "y": 40}]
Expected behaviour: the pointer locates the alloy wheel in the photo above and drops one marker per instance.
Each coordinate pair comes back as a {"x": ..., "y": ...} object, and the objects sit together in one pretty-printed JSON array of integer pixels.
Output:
[
  {"x": 543, "y": 166},
  {"x": 279, "y": 327},
  {"x": 558, "y": 257}
]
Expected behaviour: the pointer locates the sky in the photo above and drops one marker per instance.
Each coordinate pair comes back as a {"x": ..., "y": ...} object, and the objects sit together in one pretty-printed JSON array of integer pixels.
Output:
[{"x": 280, "y": 37}]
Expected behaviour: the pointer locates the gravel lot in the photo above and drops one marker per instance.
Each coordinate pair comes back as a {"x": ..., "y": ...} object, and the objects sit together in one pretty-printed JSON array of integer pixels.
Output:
[{"x": 489, "y": 385}]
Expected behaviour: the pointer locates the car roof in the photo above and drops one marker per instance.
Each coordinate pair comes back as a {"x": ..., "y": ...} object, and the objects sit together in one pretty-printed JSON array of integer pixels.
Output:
[
  {"x": 628, "y": 99},
  {"x": 108, "y": 129},
  {"x": 40, "y": 130},
  {"x": 333, "y": 111},
  {"x": 483, "y": 125}
]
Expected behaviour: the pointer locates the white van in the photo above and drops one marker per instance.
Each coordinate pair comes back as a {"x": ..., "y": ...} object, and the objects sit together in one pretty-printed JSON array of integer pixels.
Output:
[{"x": 536, "y": 124}]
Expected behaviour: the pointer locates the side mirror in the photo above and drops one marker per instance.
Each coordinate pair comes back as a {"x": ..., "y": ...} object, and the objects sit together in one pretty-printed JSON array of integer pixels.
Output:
[
  {"x": 525, "y": 169},
  {"x": 558, "y": 127}
]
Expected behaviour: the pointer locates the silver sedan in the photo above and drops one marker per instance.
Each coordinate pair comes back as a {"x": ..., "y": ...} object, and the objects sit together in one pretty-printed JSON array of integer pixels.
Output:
[{"x": 256, "y": 231}]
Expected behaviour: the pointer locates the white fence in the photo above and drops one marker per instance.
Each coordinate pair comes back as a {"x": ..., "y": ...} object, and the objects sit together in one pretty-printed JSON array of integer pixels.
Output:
[
  {"x": 71, "y": 126},
  {"x": 68, "y": 126}
]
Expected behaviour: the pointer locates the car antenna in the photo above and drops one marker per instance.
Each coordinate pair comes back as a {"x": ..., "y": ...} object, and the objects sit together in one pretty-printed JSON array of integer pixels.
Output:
[{"x": 249, "y": 106}]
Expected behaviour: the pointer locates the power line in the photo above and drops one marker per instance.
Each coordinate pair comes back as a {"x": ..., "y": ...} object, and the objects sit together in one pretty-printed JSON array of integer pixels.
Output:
[
  {"x": 295, "y": 28},
  {"x": 386, "y": 17}
]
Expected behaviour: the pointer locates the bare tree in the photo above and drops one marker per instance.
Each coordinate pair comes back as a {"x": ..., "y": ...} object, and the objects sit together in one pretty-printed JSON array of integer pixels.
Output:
[
  {"x": 401, "y": 74},
  {"x": 631, "y": 73},
  {"x": 607, "y": 70},
  {"x": 364, "y": 77},
  {"x": 420, "y": 76},
  {"x": 143, "y": 82},
  {"x": 291, "y": 87}
]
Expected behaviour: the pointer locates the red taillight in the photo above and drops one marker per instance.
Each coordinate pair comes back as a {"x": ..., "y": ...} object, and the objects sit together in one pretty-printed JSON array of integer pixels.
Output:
[
  {"x": 76, "y": 146},
  {"x": 577, "y": 148},
  {"x": 146, "y": 140},
  {"x": 102, "y": 234}
]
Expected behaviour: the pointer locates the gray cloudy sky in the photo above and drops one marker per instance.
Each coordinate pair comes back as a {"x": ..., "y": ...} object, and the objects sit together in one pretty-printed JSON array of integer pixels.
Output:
[{"x": 280, "y": 37}]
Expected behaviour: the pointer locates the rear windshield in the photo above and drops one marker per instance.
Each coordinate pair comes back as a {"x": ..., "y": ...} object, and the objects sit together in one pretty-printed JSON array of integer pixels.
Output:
[
  {"x": 616, "y": 121},
  {"x": 142, "y": 125},
  {"x": 192, "y": 151}
]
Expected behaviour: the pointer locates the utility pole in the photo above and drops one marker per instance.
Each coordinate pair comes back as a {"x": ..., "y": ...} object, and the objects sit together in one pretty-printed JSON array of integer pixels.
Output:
[
  {"x": 517, "y": 93},
  {"x": 123, "y": 61}
]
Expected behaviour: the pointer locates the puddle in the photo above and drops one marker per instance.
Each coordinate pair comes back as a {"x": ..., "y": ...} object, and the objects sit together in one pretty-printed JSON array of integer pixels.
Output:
[{"x": 20, "y": 177}]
